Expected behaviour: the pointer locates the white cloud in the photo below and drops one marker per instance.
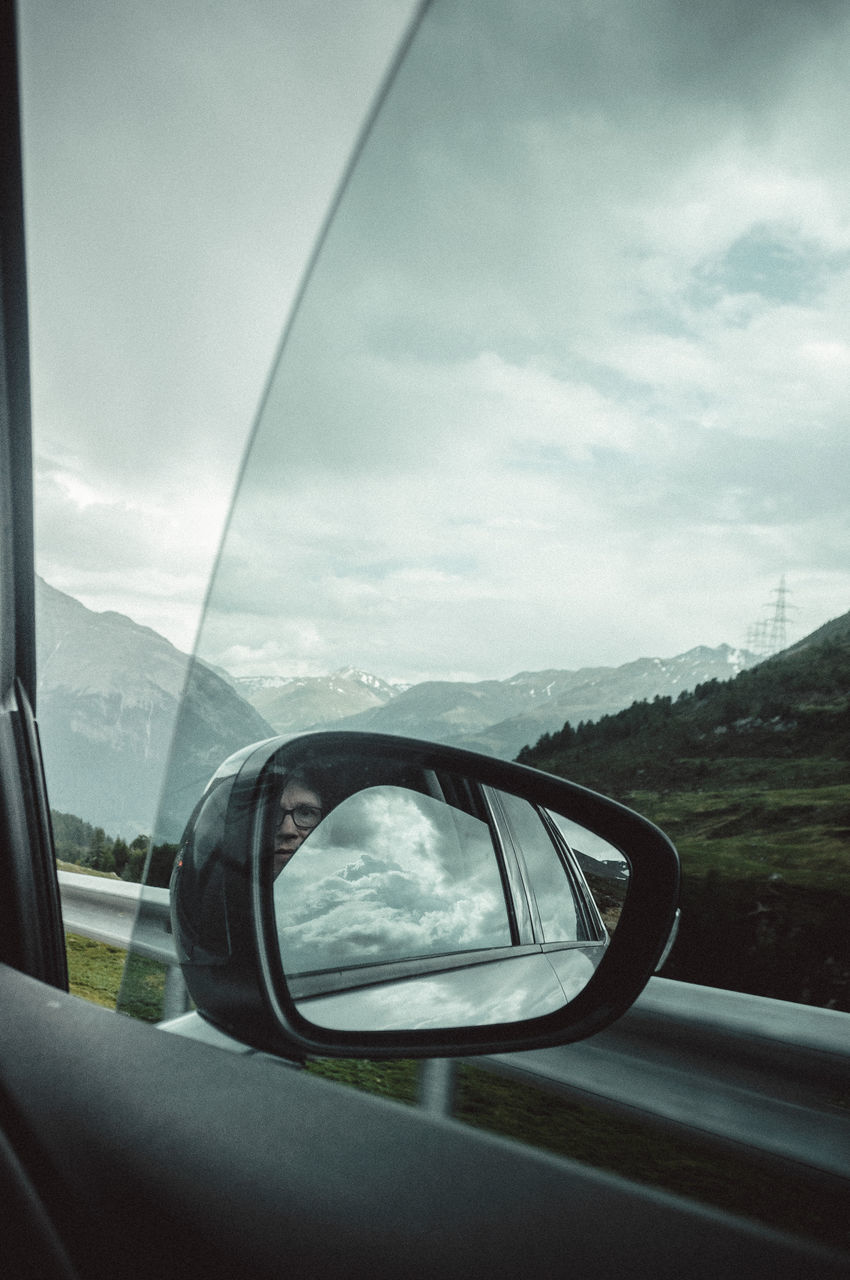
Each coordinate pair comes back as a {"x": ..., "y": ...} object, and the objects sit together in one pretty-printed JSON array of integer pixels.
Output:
[
  {"x": 178, "y": 168},
  {"x": 569, "y": 381},
  {"x": 389, "y": 874}
]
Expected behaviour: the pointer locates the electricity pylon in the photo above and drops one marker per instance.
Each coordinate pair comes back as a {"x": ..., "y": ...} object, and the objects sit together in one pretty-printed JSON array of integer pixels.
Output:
[{"x": 768, "y": 636}]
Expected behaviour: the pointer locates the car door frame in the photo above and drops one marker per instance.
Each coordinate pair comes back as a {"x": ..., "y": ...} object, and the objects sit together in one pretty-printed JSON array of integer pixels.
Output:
[{"x": 31, "y": 937}]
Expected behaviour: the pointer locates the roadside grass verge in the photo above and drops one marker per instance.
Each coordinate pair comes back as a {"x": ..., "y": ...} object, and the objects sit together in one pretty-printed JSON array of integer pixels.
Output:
[
  {"x": 801, "y": 833},
  {"x": 85, "y": 871},
  {"x": 392, "y": 1079},
  {"x": 96, "y": 971}
]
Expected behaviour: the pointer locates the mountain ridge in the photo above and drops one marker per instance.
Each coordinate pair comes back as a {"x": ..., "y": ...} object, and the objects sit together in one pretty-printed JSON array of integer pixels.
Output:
[
  {"x": 109, "y": 692},
  {"x": 497, "y": 716},
  {"x": 107, "y": 698},
  {"x": 793, "y": 706}
]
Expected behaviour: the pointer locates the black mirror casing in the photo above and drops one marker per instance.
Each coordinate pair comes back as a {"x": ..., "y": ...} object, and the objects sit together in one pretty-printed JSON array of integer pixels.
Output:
[{"x": 227, "y": 933}]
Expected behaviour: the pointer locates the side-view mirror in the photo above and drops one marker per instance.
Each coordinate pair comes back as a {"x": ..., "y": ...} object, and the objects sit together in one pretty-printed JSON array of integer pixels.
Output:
[{"x": 358, "y": 894}]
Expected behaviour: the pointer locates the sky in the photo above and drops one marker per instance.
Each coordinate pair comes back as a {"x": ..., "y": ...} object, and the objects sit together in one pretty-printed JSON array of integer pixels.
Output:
[
  {"x": 179, "y": 162},
  {"x": 568, "y": 382}
]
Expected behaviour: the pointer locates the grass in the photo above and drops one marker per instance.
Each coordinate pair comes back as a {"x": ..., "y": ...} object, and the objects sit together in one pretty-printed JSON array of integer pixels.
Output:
[
  {"x": 85, "y": 871},
  {"x": 766, "y": 886},
  {"x": 142, "y": 989},
  {"x": 397, "y": 1079},
  {"x": 799, "y": 833},
  {"x": 96, "y": 971}
]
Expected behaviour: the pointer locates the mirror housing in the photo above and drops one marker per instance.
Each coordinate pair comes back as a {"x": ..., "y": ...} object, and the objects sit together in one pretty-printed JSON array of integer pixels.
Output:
[{"x": 236, "y": 949}]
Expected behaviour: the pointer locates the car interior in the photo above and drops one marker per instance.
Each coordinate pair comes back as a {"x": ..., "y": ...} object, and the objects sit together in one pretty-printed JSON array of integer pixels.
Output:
[{"x": 127, "y": 1151}]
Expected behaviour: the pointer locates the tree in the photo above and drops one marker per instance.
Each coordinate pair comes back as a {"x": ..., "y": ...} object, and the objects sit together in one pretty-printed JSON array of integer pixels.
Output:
[
  {"x": 135, "y": 864},
  {"x": 120, "y": 854}
]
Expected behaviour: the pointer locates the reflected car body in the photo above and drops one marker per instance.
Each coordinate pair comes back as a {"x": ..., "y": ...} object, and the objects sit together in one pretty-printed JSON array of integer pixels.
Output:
[{"x": 468, "y": 992}]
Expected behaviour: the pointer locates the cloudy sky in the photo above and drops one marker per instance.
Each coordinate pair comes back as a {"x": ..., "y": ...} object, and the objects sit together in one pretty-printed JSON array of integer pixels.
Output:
[
  {"x": 569, "y": 381},
  {"x": 179, "y": 162}
]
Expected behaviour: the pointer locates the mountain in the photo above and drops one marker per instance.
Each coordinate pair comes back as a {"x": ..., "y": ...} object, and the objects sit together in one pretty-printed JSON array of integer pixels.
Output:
[
  {"x": 833, "y": 633},
  {"x": 109, "y": 693},
  {"x": 293, "y": 703},
  {"x": 107, "y": 699},
  {"x": 749, "y": 780},
  {"x": 592, "y": 693},
  {"x": 501, "y": 716},
  {"x": 788, "y": 718}
]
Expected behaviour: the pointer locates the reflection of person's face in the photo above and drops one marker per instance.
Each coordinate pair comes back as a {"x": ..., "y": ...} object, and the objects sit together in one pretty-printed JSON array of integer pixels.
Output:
[{"x": 288, "y": 835}]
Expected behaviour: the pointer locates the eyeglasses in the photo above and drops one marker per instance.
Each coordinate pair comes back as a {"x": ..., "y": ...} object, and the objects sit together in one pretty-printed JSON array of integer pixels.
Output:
[{"x": 305, "y": 816}]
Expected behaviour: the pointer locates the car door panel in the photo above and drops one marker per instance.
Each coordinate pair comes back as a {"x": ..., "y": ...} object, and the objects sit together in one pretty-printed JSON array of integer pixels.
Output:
[{"x": 159, "y": 1156}]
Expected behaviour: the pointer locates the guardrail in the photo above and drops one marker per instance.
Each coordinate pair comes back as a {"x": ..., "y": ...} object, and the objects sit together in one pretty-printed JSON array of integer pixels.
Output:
[
  {"x": 108, "y": 910},
  {"x": 124, "y": 914},
  {"x": 741, "y": 1070}
]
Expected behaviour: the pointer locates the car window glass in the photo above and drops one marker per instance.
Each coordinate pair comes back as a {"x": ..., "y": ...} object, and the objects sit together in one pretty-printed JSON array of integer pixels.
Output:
[
  {"x": 549, "y": 883},
  {"x": 390, "y": 874},
  {"x": 548, "y": 374}
]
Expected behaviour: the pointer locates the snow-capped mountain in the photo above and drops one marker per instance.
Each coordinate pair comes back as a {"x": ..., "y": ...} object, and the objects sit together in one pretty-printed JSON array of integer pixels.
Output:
[
  {"x": 591, "y": 693},
  {"x": 496, "y": 716},
  {"x": 109, "y": 693},
  {"x": 292, "y": 703}
]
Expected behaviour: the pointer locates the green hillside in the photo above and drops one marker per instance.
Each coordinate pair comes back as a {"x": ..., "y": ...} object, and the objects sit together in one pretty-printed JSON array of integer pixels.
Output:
[{"x": 750, "y": 778}]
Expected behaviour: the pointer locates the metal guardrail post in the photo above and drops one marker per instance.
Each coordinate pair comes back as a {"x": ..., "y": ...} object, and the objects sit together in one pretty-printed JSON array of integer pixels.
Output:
[
  {"x": 437, "y": 1086},
  {"x": 175, "y": 1000}
]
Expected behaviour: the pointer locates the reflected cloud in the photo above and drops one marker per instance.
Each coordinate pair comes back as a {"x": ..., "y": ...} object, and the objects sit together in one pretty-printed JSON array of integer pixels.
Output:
[{"x": 389, "y": 874}]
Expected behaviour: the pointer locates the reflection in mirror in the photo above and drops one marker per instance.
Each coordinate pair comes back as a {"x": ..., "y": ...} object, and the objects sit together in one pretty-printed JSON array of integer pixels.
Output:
[
  {"x": 556, "y": 913},
  {"x": 476, "y": 995},
  {"x": 439, "y": 903},
  {"x": 605, "y": 870},
  {"x": 388, "y": 875}
]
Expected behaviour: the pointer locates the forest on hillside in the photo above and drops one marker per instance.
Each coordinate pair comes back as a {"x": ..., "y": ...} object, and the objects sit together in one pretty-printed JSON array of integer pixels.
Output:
[
  {"x": 749, "y": 778},
  {"x": 80, "y": 844}
]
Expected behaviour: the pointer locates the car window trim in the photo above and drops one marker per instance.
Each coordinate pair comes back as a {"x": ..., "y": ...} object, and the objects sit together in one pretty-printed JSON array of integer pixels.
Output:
[{"x": 527, "y": 915}]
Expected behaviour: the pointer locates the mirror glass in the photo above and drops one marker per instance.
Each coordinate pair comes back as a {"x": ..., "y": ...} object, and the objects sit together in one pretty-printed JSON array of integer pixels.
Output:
[
  {"x": 390, "y": 874},
  {"x": 430, "y": 899}
]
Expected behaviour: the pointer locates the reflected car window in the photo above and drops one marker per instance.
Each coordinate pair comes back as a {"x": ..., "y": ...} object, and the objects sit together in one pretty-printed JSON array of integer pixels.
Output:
[
  {"x": 546, "y": 874},
  {"x": 605, "y": 870},
  {"x": 388, "y": 875}
]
